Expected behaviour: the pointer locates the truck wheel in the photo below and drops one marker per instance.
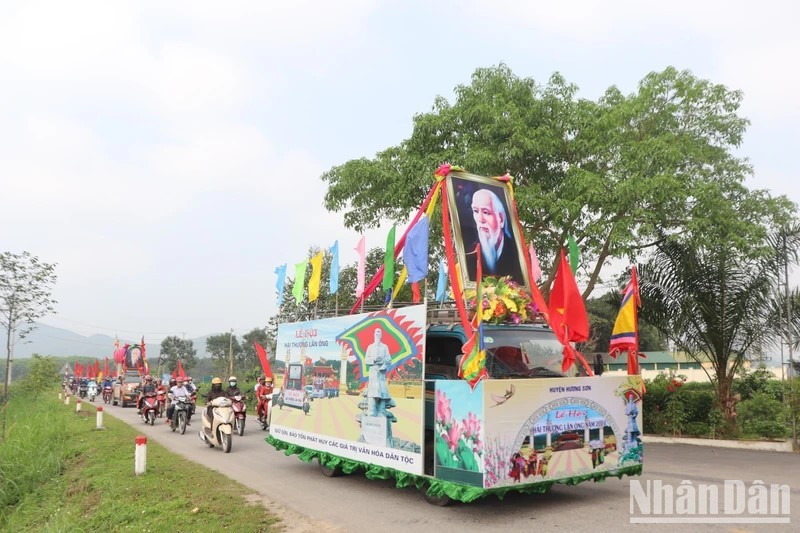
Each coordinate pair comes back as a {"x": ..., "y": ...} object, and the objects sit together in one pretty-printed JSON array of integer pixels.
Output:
[
  {"x": 438, "y": 501},
  {"x": 330, "y": 472}
]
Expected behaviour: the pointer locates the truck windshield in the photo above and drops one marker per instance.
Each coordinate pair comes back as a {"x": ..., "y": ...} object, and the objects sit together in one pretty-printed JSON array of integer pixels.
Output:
[{"x": 512, "y": 353}]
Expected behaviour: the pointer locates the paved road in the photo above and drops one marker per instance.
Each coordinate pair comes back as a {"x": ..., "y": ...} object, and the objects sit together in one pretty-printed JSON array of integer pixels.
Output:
[{"x": 308, "y": 501}]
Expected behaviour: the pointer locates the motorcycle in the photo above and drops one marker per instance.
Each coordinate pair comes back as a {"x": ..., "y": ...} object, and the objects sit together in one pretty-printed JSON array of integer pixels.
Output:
[
  {"x": 218, "y": 429},
  {"x": 149, "y": 407},
  {"x": 264, "y": 417},
  {"x": 239, "y": 415},
  {"x": 92, "y": 391},
  {"x": 107, "y": 393},
  {"x": 180, "y": 415},
  {"x": 82, "y": 388},
  {"x": 161, "y": 396}
]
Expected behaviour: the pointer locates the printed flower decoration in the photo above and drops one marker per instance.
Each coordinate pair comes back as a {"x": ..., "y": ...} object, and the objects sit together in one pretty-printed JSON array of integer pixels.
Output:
[
  {"x": 443, "y": 411},
  {"x": 452, "y": 435},
  {"x": 472, "y": 426}
]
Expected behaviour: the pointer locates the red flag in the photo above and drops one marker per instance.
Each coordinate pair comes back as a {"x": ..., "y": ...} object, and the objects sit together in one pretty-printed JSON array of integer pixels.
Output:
[
  {"x": 180, "y": 372},
  {"x": 416, "y": 297},
  {"x": 567, "y": 311},
  {"x": 90, "y": 372},
  {"x": 96, "y": 367},
  {"x": 262, "y": 356},
  {"x": 309, "y": 362}
]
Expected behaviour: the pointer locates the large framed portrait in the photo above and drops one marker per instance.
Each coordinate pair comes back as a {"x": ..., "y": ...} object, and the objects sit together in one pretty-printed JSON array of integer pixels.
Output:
[
  {"x": 133, "y": 359},
  {"x": 481, "y": 213}
]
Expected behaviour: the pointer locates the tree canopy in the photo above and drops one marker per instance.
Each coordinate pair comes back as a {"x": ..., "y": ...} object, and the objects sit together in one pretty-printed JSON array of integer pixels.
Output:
[
  {"x": 174, "y": 348},
  {"x": 620, "y": 173}
]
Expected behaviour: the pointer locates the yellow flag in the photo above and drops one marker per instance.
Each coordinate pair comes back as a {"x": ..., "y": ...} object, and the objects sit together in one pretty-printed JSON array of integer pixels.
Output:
[
  {"x": 400, "y": 281},
  {"x": 316, "y": 276}
]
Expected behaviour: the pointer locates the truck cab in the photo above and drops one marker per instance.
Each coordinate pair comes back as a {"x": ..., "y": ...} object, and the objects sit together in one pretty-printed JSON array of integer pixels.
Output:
[{"x": 126, "y": 392}]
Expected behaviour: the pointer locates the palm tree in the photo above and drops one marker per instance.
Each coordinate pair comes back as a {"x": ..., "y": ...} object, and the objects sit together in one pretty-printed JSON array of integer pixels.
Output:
[{"x": 716, "y": 304}]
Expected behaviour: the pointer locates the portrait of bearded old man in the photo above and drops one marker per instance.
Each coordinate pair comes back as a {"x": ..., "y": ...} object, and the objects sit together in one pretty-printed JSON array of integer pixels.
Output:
[{"x": 499, "y": 254}]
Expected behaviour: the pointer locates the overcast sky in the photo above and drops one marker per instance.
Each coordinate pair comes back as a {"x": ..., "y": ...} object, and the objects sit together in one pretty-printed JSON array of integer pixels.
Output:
[{"x": 167, "y": 155}]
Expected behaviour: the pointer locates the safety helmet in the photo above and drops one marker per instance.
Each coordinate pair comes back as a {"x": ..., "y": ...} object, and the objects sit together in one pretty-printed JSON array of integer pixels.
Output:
[
  {"x": 179, "y": 379},
  {"x": 260, "y": 378},
  {"x": 216, "y": 381},
  {"x": 233, "y": 379},
  {"x": 268, "y": 378},
  {"x": 148, "y": 377},
  {"x": 188, "y": 378},
  {"x": 172, "y": 380}
]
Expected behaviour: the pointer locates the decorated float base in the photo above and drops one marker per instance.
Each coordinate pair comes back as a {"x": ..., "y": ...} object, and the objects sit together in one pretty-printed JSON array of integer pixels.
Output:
[{"x": 438, "y": 487}]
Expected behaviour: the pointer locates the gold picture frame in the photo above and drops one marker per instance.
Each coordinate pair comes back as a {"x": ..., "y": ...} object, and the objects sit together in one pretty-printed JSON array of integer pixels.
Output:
[{"x": 472, "y": 222}]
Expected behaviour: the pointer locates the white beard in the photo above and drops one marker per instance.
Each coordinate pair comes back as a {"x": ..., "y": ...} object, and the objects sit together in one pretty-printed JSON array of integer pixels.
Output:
[{"x": 488, "y": 248}]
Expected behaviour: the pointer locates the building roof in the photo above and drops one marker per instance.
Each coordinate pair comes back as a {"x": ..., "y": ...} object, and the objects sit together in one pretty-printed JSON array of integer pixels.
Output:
[{"x": 661, "y": 358}]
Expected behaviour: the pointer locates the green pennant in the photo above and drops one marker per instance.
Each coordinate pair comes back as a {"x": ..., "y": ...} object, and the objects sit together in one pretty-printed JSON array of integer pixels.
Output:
[
  {"x": 574, "y": 255},
  {"x": 299, "y": 281},
  {"x": 388, "y": 262}
]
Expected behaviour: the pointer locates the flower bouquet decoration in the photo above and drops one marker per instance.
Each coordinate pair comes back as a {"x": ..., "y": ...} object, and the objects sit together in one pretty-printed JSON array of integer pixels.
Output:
[{"x": 502, "y": 301}]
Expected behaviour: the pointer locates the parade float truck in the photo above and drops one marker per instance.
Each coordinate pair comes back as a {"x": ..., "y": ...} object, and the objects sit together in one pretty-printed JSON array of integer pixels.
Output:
[
  {"x": 132, "y": 367},
  {"x": 465, "y": 399}
]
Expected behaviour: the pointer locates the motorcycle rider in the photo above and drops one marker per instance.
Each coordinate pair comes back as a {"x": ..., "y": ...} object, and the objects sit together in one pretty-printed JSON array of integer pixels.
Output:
[
  {"x": 264, "y": 389},
  {"x": 190, "y": 385},
  {"x": 91, "y": 389},
  {"x": 148, "y": 386},
  {"x": 192, "y": 388},
  {"x": 232, "y": 390},
  {"x": 215, "y": 392},
  {"x": 175, "y": 392}
]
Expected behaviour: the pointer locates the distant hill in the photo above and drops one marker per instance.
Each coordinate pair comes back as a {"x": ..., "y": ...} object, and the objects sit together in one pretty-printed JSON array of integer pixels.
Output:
[{"x": 50, "y": 340}]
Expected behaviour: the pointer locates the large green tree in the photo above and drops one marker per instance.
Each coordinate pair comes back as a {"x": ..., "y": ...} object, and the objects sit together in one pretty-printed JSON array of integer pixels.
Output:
[
  {"x": 174, "y": 348},
  {"x": 618, "y": 173},
  {"x": 220, "y": 347}
]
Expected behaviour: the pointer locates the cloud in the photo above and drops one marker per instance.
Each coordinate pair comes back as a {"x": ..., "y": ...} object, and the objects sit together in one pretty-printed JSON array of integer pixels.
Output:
[
  {"x": 747, "y": 45},
  {"x": 120, "y": 123}
]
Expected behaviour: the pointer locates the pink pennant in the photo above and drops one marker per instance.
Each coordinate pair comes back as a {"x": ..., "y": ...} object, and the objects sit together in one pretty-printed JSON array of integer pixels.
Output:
[
  {"x": 362, "y": 266},
  {"x": 535, "y": 268}
]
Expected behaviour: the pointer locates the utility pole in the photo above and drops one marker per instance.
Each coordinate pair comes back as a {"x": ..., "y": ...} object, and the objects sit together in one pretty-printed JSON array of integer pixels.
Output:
[
  {"x": 788, "y": 330},
  {"x": 230, "y": 349}
]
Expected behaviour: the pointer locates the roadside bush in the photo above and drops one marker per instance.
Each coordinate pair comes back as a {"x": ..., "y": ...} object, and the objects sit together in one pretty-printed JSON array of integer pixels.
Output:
[
  {"x": 691, "y": 409},
  {"x": 761, "y": 415}
]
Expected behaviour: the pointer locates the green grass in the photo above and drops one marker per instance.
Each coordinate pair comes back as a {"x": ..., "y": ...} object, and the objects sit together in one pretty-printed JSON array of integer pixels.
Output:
[{"x": 70, "y": 477}]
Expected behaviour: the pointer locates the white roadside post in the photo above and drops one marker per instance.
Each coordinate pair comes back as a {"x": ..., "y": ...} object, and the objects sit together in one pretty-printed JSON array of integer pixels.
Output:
[
  {"x": 78, "y": 406},
  {"x": 66, "y": 399},
  {"x": 140, "y": 457},
  {"x": 99, "y": 417},
  {"x": 59, "y": 396}
]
